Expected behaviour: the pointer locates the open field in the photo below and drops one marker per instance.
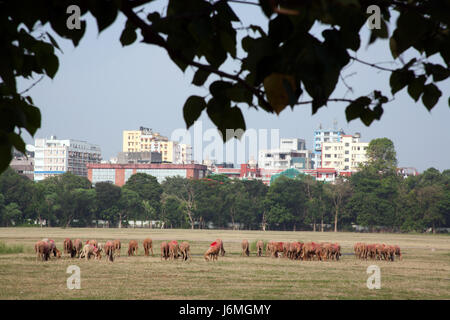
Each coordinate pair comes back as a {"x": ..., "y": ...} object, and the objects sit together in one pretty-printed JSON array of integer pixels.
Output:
[{"x": 424, "y": 272}]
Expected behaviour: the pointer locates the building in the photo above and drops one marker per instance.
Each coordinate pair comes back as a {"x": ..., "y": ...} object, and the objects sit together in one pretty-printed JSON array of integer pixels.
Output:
[
  {"x": 292, "y": 144},
  {"x": 139, "y": 157},
  {"x": 119, "y": 174},
  {"x": 321, "y": 136},
  {"x": 145, "y": 140},
  {"x": 346, "y": 154},
  {"x": 291, "y": 154},
  {"x": 53, "y": 157},
  {"x": 406, "y": 172},
  {"x": 23, "y": 164}
]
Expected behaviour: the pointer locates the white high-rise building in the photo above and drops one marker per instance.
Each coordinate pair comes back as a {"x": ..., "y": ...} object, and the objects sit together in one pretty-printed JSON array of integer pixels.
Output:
[
  {"x": 53, "y": 157},
  {"x": 292, "y": 153}
]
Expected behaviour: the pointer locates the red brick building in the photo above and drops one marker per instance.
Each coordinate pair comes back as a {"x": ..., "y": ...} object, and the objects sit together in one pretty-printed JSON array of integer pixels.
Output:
[{"x": 120, "y": 173}]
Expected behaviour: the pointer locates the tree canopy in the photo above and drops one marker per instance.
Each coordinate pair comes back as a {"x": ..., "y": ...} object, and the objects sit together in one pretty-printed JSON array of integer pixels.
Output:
[
  {"x": 374, "y": 199},
  {"x": 286, "y": 65}
]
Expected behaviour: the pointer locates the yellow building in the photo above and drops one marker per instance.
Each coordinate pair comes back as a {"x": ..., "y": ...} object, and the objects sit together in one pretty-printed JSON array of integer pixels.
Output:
[
  {"x": 145, "y": 140},
  {"x": 344, "y": 155}
]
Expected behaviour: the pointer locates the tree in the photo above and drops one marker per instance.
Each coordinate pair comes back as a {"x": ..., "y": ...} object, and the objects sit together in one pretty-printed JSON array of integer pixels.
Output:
[
  {"x": 11, "y": 214},
  {"x": 276, "y": 68},
  {"x": 429, "y": 199},
  {"x": 147, "y": 187},
  {"x": 17, "y": 189},
  {"x": 65, "y": 199},
  {"x": 338, "y": 192},
  {"x": 108, "y": 196},
  {"x": 130, "y": 205},
  {"x": 172, "y": 212},
  {"x": 82, "y": 207},
  {"x": 381, "y": 153},
  {"x": 185, "y": 190},
  {"x": 287, "y": 202}
]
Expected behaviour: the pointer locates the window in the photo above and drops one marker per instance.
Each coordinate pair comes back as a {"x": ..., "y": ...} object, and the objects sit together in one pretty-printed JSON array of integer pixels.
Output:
[
  {"x": 328, "y": 155},
  {"x": 346, "y": 160},
  {"x": 347, "y": 144},
  {"x": 347, "y": 152}
]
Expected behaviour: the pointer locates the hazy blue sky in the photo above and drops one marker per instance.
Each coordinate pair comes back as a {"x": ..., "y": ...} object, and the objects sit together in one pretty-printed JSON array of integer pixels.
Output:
[{"x": 102, "y": 89}]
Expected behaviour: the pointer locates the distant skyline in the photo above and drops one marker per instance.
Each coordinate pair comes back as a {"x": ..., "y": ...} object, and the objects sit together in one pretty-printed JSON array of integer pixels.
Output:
[{"x": 102, "y": 89}]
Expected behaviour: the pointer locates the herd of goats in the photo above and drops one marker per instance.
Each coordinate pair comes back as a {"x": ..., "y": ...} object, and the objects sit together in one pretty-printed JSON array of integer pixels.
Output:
[{"x": 172, "y": 250}]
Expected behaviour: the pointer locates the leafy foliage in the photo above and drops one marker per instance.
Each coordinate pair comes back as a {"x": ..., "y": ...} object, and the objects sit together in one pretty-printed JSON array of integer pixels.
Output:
[
  {"x": 374, "y": 198},
  {"x": 277, "y": 67}
]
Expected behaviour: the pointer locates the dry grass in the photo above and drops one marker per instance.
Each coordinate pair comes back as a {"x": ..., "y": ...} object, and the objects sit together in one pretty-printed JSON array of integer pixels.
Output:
[{"x": 424, "y": 272}]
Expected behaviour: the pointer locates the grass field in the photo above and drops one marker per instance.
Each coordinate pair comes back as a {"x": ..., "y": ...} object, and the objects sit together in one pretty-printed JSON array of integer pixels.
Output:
[{"x": 424, "y": 272}]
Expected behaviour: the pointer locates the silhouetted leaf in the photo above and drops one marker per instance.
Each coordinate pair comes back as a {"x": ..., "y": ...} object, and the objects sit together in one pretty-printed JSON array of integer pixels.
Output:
[
  {"x": 431, "y": 95},
  {"x": 192, "y": 109}
]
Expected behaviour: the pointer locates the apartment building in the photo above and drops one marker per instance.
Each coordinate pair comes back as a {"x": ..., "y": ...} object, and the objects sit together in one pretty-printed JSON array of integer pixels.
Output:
[
  {"x": 346, "y": 154},
  {"x": 291, "y": 154},
  {"x": 23, "y": 164},
  {"x": 321, "y": 136},
  {"x": 53, "y": 157},
  {"x": 145, "y": 140}
]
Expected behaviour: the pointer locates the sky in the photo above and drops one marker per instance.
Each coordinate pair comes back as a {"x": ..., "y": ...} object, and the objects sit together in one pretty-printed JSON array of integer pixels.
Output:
[{"x": 102, "y": 88}]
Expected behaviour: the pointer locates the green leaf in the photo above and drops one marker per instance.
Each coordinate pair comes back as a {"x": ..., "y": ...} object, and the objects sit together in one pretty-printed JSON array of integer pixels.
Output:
[
  {"x": 439, "y": 72},
  {"x": 415, "y": 88},
  {"x": 5, "y": 154},
  {"x": 399, "y": 79},
  {"x": 356, "y": 108},
  {"x": 225, "y": 117},
  {"x": 128, "y": 35},
  {"x": 218, "y": 88},
  {"x": 192, "y": 109},
  {"x": 266, "y": 7},
  {"x": 53, "y": 42},
  {"x": 290, "y": 92},
  {"x": 226, "y": 11},
  {"x": 16, "y": 141},
  {"x": 431, "y": 95},
  {"x": 33, "y": 119},
  {"x": 228, "y": 43},
  {"x": 238, "y": 93},
  {"x": 280, "y": 28},
  {"x": 381, "y": 33},
  {"x": 105, "y": 12},
  {"x": 200, "y": 77},
  {"x": 411, "y": 27},
  {"x": 51, "y": 64},
  {"x": 256, "y": 28}
]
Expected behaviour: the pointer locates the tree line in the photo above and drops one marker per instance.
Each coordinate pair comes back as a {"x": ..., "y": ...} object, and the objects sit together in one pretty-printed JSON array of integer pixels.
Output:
[{"x": 375, "y": 198}]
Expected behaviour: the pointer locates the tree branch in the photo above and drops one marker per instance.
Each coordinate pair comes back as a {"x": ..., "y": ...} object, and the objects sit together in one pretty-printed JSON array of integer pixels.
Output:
[
  {"x": 29, "y": 88},
  {"x": 152, "y": 37},
  {"x": 371, "y": 64}
]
